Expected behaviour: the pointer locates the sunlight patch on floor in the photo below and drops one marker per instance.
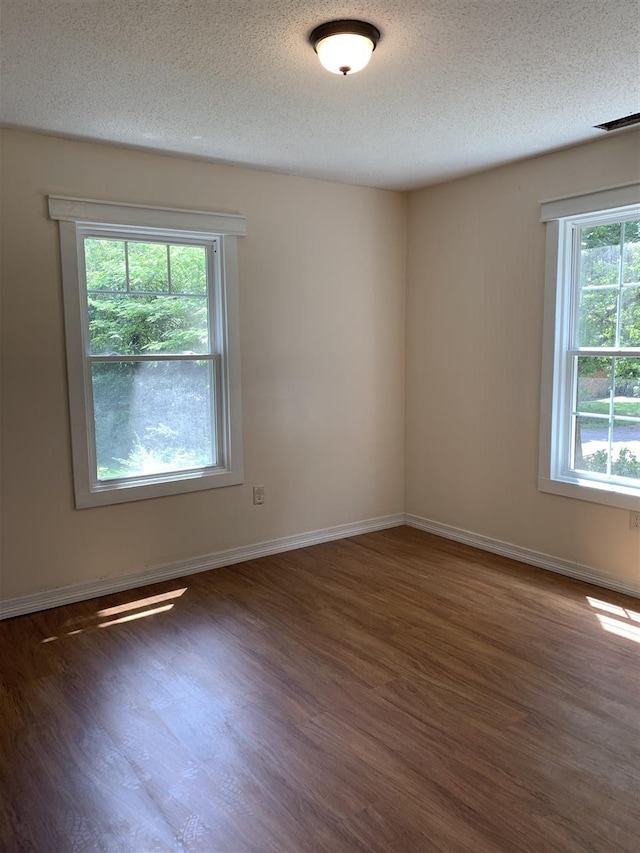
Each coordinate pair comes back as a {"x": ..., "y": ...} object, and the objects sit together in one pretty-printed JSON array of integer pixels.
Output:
[
  {"x": 617, "y": 626},
  {"x": 142, "y": 602},
  {"x": 133, "y": 616},
  {"x": 141, "y": 605}
]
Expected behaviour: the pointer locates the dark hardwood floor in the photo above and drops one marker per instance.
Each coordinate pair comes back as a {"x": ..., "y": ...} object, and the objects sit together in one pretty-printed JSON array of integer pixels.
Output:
[{"x": 390, "y": 692}]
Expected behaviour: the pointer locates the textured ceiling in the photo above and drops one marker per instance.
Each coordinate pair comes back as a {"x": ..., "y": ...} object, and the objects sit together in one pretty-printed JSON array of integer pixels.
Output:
[{"x": 455, "y": 85}]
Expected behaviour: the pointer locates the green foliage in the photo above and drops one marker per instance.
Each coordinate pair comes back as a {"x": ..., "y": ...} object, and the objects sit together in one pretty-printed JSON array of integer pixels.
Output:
[
  {"x": 600, "y": 255},
  {"x": 130, "y": 325},
  {"x": 595, "y": 380},
  {"x": 153, "y": 316},
  {"x": 148, "y": 267},
  {"x": 149, "y": 458},
  {"x": 105, "y": 264},
  {"x": 595, "y": 462},
  {"x": 599, "y": 282},
  {"x": 609, "y": 235},
  {"x": 627, "y": 463},
  {"x": 598, "y": 317},
  {"x": 600, "y": 236},
  {"x": 152, "y": 412},
  {"x": 188, "y": 269}
]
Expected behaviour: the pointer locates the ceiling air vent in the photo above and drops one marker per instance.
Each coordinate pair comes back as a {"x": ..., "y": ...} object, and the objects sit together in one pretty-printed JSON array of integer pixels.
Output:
[{"x": 617, "y": 123}]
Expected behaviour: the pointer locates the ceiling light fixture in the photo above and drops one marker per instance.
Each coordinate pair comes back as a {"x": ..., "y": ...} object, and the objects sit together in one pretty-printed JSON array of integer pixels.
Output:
[{"x": 344, "y": 47}]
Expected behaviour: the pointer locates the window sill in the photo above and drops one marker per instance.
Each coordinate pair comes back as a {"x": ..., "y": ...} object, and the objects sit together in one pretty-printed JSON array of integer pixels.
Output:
[
  {"x": 105, "y": 495},
  {"x": 588, "y": 490}
]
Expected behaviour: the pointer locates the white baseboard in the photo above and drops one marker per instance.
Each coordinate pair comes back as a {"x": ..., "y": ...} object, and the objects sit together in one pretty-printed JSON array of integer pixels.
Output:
[
  {"x": 48, "y": 598},
  {"x": 524, "y": 555}
]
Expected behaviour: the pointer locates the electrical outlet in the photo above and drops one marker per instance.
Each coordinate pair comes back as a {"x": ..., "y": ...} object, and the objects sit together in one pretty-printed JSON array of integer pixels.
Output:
[
  {"x": 258, "y": 495},
  {"x": 634, "y": 522}
]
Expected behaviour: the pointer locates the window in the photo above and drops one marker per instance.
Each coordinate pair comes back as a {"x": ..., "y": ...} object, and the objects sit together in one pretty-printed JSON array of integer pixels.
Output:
[
  {"x": 590, "y": 429},
  {"x": 151, "y": 323}
]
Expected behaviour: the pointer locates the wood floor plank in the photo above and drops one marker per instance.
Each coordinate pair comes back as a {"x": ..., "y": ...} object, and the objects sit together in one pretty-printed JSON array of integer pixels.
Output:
[{"x": 391, "y": 692}]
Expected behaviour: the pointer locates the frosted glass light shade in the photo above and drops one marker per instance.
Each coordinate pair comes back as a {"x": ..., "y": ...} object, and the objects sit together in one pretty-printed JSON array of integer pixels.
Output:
[
  {"x": 344, "y": 53},
  {"x": 344, "y": 46}
]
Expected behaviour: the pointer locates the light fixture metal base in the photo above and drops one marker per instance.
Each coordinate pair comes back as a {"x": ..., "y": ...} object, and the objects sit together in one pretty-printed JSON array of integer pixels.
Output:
[{"x": 334, "y": 28}]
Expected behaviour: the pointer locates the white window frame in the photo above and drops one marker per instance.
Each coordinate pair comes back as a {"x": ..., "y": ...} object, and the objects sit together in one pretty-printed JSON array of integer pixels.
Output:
[
  {"x": 563, "y": 217},
  {"x": 81, "y": 217}
]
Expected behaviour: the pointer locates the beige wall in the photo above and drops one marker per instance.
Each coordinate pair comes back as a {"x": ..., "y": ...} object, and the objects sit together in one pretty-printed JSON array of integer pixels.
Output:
[
  {"x": 474, "y": 330},
  {"x": 322, "y": 276},
  {"x": 322, "y": 290}
]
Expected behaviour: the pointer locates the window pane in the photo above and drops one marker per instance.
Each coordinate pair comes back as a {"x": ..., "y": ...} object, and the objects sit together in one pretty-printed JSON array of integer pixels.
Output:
[
  {"x": 148, "y": 267},
  {"x": 152, "y": 417},
  {"x": 594, "y": 385},
  {"x": 134, "y": 325},
  {"x": 627, "y": 396},
  {"x": 591, "y": 449},
  {"x": 631, "y": 271},
  {"x": 600, "y": 254},
  {"x": 625, "y": 461},
  {"x": 105, "y": 264},
  {"x": 188, "y": 269},
  {"x": 630, "y": 317},
  {"x": 598, "y": 317}
]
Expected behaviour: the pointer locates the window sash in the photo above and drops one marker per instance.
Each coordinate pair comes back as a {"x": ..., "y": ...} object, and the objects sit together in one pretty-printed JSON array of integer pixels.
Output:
[
  {"x": 174, "y": 238},
  {"x": 609, "y": 421},
  {"x": 213, "y": 353},
  {"x": 217, "y": 432}
]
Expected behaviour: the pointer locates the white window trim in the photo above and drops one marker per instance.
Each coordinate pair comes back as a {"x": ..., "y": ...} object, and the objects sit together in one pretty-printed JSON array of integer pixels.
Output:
[
  {"x": 556, "y": 213},
  {"x": 74, "y": 215}
]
